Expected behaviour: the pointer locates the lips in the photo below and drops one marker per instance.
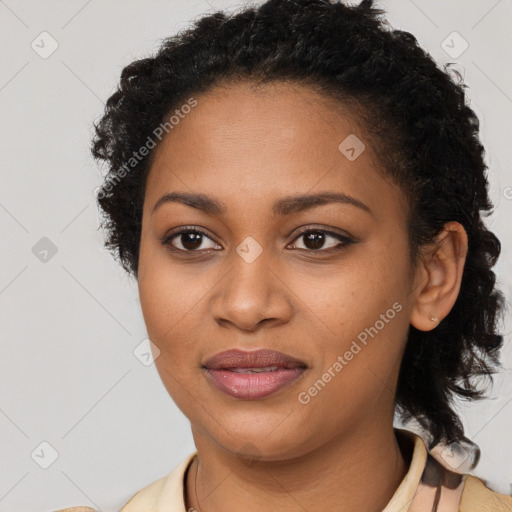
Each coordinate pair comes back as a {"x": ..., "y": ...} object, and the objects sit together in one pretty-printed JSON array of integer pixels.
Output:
[
  {"x": 252, "y": 375},
  {"x": 232, "y": 359}
]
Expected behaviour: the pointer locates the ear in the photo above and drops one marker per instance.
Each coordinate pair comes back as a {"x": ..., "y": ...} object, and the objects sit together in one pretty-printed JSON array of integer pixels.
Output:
[{"x": 439, "y": 276}]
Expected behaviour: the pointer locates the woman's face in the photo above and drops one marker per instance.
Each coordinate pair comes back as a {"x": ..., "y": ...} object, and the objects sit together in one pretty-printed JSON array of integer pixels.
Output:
[{"x": 269, "y": 273}]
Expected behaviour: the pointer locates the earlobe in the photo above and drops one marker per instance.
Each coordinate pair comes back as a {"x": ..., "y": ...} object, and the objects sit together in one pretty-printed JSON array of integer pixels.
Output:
[{"x": 441, "y": 268}]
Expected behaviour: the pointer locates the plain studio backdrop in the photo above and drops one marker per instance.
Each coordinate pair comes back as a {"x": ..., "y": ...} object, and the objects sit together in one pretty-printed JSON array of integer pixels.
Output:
[{"x": 84, "y": 420}]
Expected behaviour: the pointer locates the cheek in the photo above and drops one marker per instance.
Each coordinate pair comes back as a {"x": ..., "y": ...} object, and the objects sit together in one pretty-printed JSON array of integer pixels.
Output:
[
  {"x": 173, "y": 302},
  {"x": 167, "y": 309},
  {"x": 168, "y": 314},
  {"x": 164, "y": 293},
  {"x": 358, "y": 312},
  {"x": 351, "y": 296}
]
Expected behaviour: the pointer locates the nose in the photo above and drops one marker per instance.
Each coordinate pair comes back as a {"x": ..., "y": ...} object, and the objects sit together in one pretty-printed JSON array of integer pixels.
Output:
[{"x": 250, "y": 295}]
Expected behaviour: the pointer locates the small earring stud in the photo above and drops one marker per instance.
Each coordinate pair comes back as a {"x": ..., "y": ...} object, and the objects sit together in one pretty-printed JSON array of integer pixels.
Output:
[{"x": 434, "y": 318}]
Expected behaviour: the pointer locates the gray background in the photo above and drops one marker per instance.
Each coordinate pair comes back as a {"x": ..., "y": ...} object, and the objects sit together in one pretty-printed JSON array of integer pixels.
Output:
[{"x": 70, "y": 324}]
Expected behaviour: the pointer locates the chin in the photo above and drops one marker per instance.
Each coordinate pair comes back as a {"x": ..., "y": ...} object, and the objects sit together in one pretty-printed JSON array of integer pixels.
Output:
[{"x": 260, "y": 445}]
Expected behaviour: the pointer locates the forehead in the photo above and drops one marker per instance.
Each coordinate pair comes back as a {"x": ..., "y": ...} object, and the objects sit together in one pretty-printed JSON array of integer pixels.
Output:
[
  {"x": 243, "y": 142},
  {"x": 279, "y": 116}
]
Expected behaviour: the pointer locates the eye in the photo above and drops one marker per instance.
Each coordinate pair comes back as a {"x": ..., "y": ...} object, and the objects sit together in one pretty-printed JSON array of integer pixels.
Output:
[
  {"x": 189, "y": 240},
  {"x": 314, "y": 240}
]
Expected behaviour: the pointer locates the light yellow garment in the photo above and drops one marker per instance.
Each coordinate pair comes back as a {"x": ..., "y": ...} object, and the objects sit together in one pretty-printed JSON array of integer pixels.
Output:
[{"x": 416, "y": 492}]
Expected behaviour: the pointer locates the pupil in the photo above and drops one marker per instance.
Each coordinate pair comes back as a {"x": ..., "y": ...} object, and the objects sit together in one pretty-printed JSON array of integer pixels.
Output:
[
  {"x": 314, "y": 238},
  {"x": 191, "y": 240}
]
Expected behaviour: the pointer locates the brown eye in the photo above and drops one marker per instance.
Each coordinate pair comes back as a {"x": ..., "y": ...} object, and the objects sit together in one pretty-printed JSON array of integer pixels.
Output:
[
  {"x": 189, "y": 240},
  {"x": 314, "y": 240}
]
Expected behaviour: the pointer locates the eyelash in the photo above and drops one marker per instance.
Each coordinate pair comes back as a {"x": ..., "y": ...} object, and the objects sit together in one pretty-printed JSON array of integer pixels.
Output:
[{"x": 344, "y": 240}]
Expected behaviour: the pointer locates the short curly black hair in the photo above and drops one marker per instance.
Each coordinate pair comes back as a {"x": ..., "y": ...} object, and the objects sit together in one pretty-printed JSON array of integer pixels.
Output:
[{"x": 417, "y": 112}]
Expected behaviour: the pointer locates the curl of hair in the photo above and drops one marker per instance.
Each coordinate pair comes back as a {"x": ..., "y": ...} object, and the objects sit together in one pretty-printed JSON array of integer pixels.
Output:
[{"x": 415, "y": 112}]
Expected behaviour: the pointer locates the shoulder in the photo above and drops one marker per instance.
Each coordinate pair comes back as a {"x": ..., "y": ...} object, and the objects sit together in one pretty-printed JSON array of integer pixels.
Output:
[
  {"x": 168, "y": 489},
  {"x": 477, "y": 497},
  {"x": 145, "y": 499},
  {"x": 447, "y": 481},
  {"x": 443, "y": 489},
  {"x": 77, "y": 509}
]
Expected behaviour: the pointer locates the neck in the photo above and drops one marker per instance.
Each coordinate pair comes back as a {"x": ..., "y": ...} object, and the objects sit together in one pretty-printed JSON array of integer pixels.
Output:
[{"x": 360, "y": 470}]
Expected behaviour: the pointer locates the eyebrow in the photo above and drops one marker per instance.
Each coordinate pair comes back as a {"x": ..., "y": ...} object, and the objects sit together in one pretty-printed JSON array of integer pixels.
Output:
[{"x": 282, "y": 207}]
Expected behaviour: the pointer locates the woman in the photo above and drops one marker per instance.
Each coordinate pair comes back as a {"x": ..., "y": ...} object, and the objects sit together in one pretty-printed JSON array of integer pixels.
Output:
[{"x": 299, "y": 192}]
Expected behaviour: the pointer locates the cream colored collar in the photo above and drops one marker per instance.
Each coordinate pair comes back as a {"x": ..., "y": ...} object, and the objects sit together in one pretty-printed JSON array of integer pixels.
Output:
[{"x": 167, "y": 493}]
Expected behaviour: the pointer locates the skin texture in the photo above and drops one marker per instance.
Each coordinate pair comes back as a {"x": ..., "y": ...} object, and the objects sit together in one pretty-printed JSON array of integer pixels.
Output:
[{"x": 248, "y": 147}]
